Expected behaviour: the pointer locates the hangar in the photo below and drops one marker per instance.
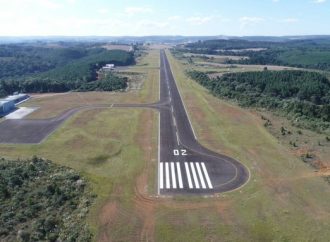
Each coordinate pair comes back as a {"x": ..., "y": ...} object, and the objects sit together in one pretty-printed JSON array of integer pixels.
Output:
[{"x": 6, "y": 106}]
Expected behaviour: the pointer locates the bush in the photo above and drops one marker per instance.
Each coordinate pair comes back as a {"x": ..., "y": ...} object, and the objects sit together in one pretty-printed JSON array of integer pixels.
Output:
[{"x": 38, "y": 195}]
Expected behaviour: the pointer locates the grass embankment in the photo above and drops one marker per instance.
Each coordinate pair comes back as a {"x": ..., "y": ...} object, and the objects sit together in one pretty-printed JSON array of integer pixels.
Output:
[{"x": 284, "y": 200}]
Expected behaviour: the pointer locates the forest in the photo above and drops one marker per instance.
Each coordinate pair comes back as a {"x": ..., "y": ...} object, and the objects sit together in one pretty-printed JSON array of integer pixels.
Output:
[
  {"x": 41, "y": 69},
  {"x": 42, "y": 201},
  {"x": 310, "y": 53},
  {"x": 302, "y": 96}
]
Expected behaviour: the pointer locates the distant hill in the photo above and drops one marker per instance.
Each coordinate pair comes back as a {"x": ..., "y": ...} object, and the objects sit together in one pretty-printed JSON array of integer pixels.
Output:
[{"x": 175, "y": 39}]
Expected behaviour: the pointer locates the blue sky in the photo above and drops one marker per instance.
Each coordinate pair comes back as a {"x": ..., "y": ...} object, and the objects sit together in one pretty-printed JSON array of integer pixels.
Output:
[{"x": 171, "y": 17}]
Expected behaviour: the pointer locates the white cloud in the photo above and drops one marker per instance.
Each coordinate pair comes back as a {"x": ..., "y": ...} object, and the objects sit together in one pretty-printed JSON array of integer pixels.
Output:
[
  {"x": 319, "y": 1},
  {"x": 174, "y": 18},
  {"x": 199, "y": 20},
  {"x": 137, "y": 10},
  {"x": 49, "y": 4},
  {"x": 275, "y": 1},
  {"x": 289, "y": 20},
  {"x": 71, "y": 1},
  {"x": 103, "y": 10}
]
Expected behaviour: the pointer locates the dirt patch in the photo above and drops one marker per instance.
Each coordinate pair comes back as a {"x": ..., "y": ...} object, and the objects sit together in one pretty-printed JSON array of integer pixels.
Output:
[{"x": 108, "y": 214}]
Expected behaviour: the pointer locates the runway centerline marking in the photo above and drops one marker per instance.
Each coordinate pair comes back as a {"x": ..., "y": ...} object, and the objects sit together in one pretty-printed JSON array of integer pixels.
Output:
[
  {"x": 178, "y": 168},
  {"x": 194, "y": 175},
  {"x": 177, "y": 137},
  {"x": 207, "y": 176},
  {"x": 200, "y": 176},
  {"x": 173, "y": 175},
  {"x": 188, "y": 175}
]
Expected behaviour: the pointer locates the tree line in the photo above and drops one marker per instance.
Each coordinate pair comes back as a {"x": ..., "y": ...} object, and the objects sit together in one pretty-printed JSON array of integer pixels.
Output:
[
  {"x": 314, "y": 54},
  {"x": 70, "y": 69},
  {"x": 303, "y": 97}
]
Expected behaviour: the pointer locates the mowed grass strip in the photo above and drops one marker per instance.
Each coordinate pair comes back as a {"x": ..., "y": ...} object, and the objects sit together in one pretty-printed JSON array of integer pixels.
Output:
[{"x": 283, "y": 201}]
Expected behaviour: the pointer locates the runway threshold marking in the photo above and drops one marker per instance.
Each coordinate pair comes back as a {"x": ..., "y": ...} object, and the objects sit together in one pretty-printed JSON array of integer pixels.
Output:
[
  {"x": 194, "y": 174},
  {"x": 207, "y": 176},
  {"x": 167, "y": 176},
  {"x": 188, "y": 175},
  {"x": 179, "y": 175},
  {"x": 171, "y": 172},
  {"x": 173, "y": 175},
  {"x": 161, "y": 177},
  {"x": 200, "y": 176}
]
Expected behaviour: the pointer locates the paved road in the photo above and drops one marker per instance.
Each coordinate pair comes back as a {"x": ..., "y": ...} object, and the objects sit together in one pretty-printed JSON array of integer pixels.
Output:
[{"x": 185, "y": 167}]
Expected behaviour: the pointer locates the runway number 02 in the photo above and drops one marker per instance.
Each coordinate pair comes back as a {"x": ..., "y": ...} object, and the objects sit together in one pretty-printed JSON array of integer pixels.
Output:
[{"x": 179, "y": 152}]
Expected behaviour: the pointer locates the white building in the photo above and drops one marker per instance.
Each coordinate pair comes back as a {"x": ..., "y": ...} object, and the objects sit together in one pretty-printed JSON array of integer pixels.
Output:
[{"x": 108, "y": 67}]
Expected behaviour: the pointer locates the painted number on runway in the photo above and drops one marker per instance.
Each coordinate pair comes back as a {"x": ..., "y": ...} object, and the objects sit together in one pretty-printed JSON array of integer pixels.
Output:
[{"x": 180, "y": 152}]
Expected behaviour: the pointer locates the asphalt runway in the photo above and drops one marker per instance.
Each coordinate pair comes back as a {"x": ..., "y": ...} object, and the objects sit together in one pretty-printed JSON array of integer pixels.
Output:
[{"x": 184, "y": 166}]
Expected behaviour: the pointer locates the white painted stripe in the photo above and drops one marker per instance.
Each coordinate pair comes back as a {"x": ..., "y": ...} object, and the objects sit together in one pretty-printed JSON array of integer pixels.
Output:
[
  {"x": 177, "y": 138},
  {"x": 207, "y": 176},
  {"x": 188, "y": 175},
  {"x": 194, "y": 175},
  {"x": 200, "y": 176},
  {"x": 159, "y": 143},
  {"x": 173, "y": 175},
  {"x": 184, "y": 106},
  {"x": 167, "y": 176},
  {"x": 161, "y": 176},
  {"x": 178, "y": 168}
]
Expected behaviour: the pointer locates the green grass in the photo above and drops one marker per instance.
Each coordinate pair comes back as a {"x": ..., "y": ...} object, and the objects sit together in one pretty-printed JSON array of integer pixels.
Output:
[
  {"x": 283, "y": 201},
  {"x": 106, "y": 147},
  {"x": 109, "y": 136},
  {"x": 279, "y": 203}
]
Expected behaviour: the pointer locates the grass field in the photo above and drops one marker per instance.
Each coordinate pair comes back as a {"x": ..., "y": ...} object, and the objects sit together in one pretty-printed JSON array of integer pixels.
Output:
[
  {"x": 284, "y": 200},
  {"x": 117, "y": 150},
  {"x": 111, "y": 147}
]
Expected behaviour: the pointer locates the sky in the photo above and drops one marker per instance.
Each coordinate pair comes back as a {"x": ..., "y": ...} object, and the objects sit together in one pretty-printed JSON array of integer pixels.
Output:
[{"x": 166, "y": 17}]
